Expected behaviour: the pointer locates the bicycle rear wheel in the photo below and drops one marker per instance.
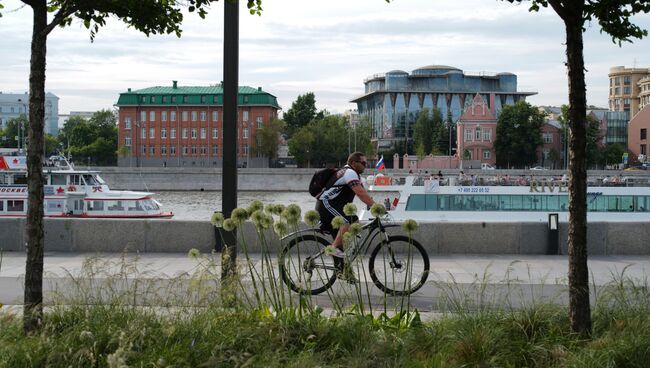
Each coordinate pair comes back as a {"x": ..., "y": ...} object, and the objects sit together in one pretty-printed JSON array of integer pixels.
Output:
[
  {"x": 304, "y": 267},
  {"x": 400, "y": 266}
]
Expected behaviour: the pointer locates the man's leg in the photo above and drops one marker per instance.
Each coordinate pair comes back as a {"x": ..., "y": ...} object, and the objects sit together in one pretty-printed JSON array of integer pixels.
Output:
[{"x": 338, "y": 241}]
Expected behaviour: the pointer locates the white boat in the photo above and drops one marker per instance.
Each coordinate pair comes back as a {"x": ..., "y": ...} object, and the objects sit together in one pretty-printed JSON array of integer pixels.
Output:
[
  {"x": 72, "y": 193},
  {"x": 426, "y": 200}
]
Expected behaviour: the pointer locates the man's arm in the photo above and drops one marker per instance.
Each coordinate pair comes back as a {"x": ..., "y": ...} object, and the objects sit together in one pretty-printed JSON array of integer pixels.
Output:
[{"x": 363, "y": 195}]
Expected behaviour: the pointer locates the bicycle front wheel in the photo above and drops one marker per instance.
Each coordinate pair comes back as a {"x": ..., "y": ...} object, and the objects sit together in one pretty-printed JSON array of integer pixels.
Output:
[
  {"x": 400, "y": 266},
  {"x": 304, "y": 267}
]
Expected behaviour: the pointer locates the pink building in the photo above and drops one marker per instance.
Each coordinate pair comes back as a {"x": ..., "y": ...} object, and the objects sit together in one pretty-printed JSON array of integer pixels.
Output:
[
  {"x": 637, "y": 133},
  {"x": 476, "y": 131},
  {"x": 550, "y": 153}
]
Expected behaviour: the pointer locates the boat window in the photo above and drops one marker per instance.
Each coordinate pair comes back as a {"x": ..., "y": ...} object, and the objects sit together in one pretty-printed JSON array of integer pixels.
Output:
[
  {"x": 15, "y": 206},
  {"x": 2, "y": 205},
  {"x": 518, "y": 202},
  {"x": 4, "y": 179},
  {"x": 90, "y": 180},
  {"x": 76, "y": 179},
  {"x": 95, "y": 205},
  {"x": 115, "y": 206},
  {"x": 54, "y": 206},
  {"x": 133, "y": 205},
  {"x": 58, "y": 179},
  {"x": 99, "y": 179},
  {"x": 149, "y": 205},
  {"x": 20, "y": 179}
]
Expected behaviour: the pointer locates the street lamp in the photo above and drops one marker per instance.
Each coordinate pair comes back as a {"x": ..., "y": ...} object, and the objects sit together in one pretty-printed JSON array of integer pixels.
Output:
[{"x": 21, "y": 135}]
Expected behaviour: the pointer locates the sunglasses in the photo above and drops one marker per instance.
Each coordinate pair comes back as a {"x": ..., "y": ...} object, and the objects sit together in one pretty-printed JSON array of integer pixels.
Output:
[{"x": 364, "y": 163}]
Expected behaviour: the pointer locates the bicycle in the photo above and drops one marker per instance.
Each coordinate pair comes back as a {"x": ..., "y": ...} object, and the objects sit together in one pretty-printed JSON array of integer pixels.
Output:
[{"x": 306, "y": 269}]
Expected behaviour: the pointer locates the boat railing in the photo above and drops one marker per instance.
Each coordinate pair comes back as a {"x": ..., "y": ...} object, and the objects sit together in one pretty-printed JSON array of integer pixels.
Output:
[{"x": 506, "y": 180}]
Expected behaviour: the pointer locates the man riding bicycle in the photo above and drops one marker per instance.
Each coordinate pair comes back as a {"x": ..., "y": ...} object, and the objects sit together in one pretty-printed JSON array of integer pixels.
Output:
[{"x": 347, "y": 184}]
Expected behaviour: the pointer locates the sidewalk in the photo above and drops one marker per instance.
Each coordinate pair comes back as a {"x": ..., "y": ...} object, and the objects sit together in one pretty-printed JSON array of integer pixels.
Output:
[{"x": 512, "y": 280}]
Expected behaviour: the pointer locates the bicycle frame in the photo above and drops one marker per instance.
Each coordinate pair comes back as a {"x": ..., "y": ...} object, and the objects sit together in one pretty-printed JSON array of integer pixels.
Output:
[{"x": 374, "y": 228}]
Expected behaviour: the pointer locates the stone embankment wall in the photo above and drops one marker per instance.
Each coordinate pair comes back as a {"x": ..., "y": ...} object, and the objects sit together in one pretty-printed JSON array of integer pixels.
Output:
[
  {"x": 195, "y": 178},
  {"x": 113, "y": 235}
]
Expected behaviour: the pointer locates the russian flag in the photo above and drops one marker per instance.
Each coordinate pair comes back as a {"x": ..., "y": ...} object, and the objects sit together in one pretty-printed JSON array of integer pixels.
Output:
[{"x": 380, "y": 164}]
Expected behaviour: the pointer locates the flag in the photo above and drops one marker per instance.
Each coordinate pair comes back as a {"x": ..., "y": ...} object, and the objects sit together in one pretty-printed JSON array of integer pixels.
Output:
[{"x": 380, "y": 164}]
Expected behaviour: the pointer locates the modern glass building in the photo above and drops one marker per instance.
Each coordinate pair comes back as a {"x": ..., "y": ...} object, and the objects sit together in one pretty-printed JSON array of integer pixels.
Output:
[
  {"x": 617, "y": 122},
  {"x": 392, "y": 100}
]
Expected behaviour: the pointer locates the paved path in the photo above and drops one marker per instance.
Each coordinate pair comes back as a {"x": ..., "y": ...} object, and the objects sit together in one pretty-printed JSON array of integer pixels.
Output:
[{"x": 508, "y": 280}]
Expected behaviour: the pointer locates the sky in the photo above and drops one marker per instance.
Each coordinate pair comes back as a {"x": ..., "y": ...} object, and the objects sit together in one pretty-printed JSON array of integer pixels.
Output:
[{"x": 325, "y": 47}]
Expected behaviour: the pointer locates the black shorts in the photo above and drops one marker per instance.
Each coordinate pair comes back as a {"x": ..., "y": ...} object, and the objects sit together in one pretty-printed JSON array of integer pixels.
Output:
[{"x": 327, "y": 214}]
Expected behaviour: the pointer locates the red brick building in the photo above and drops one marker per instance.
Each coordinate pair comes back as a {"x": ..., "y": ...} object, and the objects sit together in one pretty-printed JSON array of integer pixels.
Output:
[
  {"x": 183, "y": 126},
  {"x": 476, "y": 131}
]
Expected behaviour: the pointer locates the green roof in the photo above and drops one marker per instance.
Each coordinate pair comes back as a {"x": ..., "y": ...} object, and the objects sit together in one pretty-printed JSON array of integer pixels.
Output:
[{"x": 194, "y": 95}]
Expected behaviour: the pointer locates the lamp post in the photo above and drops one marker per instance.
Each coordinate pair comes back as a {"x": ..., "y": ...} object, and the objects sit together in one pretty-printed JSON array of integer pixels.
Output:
[{"x": 21, "y": 131}]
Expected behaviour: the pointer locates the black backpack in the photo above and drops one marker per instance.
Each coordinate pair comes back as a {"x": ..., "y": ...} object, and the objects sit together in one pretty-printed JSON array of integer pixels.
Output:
[{"x": 322, "y": 179}]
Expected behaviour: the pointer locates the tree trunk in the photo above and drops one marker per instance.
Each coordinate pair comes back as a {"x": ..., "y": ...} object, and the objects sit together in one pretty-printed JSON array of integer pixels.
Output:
[
  {"x": 579, "y": 308},
  {"x": 33, "y": 310}
]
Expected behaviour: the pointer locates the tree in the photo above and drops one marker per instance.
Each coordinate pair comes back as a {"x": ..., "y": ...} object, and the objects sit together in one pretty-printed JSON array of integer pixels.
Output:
[
  {"x": 428, "y": 132},
  {"x": 594, "y": 138},
  {"x": 554, "y": 156},
  {"x": 268, "y": 139},
  {"x": 519, "y": 133},
  {"x": 613, "y": 17},
  {"x": 301, "y": 145},
  {"x": 147, "y": 16},
  {"x": 14, "y": 131},
  {"x": 363, "y": 136},
  {"x": 613, "y": 154},
  {"x": 301, "y": 113}
]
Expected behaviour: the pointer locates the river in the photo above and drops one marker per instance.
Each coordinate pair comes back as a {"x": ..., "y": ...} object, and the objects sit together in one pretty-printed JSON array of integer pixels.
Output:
[{"x": 197, "y": 205}]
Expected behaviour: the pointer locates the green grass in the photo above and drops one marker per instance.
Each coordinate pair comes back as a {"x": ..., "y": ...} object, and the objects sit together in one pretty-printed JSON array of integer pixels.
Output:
[{"x": 115, "y": 336}]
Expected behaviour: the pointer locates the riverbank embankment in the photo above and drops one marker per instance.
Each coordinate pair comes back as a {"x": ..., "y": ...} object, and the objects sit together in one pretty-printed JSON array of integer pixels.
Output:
[{"x": 164, "y": 236}]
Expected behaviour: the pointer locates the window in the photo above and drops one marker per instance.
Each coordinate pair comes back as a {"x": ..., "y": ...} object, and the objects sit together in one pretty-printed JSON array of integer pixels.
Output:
[
  {"x": 143, "y": 149},
  {"x": 204, "y": 116},
  {"x": 245, "y": 147},
  {"x": 143, "y": 133},
  {"x": 152, "y": 99},
  {"x": 215, "y": 99},
  {"x": 486, "y": 154},
  {"x": 202, "y": 99},
  {"x": 617, "y": 80},
  {"x": 152, "y": 150},
  {"x": 172, "y": 132},
  {"x": 546, "y": 154},
  {"x": 143, "y": 99},
  {"x": 644, "y": 149},
  {"x": 127, "y": 123},
  {"x": 193, "y": 133},
  {"x": 215, "y": 133},
  {"x": 194, "y": 115},
  {"x": 644, "y": 134},
  {"x": 204, "y": 150},
  {"x": 468, "y": 134},
  {"x": 15, "y": 206},
  {"x": 627, "y": 79},
  {"x": 487, "y": 135},
  {"x": 203, "y": 133},
  {"x": 152, "y": 116},
  {"x": 164, "y": 99},
  {"x": 194, "y": 149},
  {"x": 186, "y": 99},
  {"x": 143, "y": 116},
  {"x": 172, "y": 150},
  {"x": 163, "y": 150},
  {"x": 185, "y": 151},
  {"x": 547, "y": 137},
  {"x": 173, "y": 99},
  {"x": 184, "y": 133},
  {"x": 245, "y": 133},
  {"x": 172, "y": 116},
  {"x": 245, "y": 117},
  {"x": 184, "y": 115},
  {"x": 163, "y": 133},
  {"x": 478, "y": 134},
  {"x": 215, "y": 149},
  {"x": 152, "y": 133},
  {"x": 627, "y": 90},
  {"x": 163, "y": 115},
  {"x": 215, "y": 116},
  {"x": 127, "y": 141},
  {"x": 259, "y": 122}
]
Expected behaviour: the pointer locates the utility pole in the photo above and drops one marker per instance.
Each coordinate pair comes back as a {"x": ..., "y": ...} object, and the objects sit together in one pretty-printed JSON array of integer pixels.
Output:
[{"x": 229, "y": 173}]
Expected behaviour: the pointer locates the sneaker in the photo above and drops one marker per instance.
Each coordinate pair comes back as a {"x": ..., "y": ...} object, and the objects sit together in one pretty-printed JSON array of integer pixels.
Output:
[
  {"x": 333, "y": 251},
  {"x": 347, "y": 274}
]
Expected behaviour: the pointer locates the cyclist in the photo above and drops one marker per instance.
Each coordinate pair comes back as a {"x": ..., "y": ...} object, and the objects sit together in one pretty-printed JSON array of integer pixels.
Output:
[{"x": 347, "y": 184}]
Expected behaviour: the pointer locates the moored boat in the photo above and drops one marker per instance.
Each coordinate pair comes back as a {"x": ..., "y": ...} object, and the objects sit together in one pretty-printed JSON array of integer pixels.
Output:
[
  {"x": 429, "y": 200},
  {"x": 69, "y": 192}
]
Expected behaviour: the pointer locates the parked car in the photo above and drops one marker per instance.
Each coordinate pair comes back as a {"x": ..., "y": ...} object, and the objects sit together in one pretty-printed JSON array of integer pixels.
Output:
[
  {"x": 487, "y": 167},
  {"x": 538, "y": 168}
]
